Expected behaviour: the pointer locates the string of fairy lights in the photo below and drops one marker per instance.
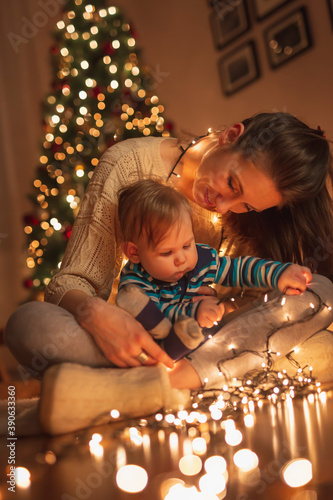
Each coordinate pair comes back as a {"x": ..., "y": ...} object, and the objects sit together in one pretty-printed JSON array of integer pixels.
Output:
[{"x": 101, "y": 94}]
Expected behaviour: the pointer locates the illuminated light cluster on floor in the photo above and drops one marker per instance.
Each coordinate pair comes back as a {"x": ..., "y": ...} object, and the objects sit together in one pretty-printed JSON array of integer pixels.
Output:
[
  {"x": 22, "y": 477},
  {"x": 297, "y": 472},
  {"x": 95, "y": 446},
  {"x": 132, "y": 478}
]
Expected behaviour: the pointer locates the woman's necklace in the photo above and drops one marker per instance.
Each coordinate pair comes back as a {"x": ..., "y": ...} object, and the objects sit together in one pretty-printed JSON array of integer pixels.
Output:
[{"x": 183, "y": 151}]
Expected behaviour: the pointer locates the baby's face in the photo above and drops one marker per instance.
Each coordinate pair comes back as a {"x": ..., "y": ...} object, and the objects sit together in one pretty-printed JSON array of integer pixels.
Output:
[{"x": 175, "y": 254}]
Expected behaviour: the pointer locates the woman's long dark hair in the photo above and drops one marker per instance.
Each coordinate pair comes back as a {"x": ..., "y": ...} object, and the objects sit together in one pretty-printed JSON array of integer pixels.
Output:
[{"x": 299, "y": 161}]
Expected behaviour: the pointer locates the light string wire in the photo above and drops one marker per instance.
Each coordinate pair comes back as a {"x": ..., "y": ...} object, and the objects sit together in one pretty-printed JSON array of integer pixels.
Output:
[
  {"x": 192, "y": 143},
  {"x": 259, "y": 383}
]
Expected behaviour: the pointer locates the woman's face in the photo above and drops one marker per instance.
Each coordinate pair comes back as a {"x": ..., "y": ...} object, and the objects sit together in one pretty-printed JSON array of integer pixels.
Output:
[{"x": 226, "y": 181}]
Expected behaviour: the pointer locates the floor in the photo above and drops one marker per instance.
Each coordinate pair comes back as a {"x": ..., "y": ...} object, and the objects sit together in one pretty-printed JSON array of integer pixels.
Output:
[{"x": 168, "y": 455}]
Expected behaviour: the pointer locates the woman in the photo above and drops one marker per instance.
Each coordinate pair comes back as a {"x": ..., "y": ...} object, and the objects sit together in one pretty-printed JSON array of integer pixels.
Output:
[{"x": 268, "y": 176}]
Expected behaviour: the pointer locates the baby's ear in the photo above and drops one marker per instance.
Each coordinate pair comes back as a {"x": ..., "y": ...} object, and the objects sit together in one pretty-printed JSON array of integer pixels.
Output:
[
  {"x": 131, "y": 251},
  {"x": 231, "y": 134}
]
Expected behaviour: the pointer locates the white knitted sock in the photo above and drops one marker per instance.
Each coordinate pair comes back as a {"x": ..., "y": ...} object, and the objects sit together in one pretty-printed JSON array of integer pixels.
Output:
[{"x": 75, "y": 397}]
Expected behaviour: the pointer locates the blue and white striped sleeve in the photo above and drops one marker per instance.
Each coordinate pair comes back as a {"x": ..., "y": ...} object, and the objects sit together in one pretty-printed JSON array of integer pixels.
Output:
[{"x": 249, "y": 271}]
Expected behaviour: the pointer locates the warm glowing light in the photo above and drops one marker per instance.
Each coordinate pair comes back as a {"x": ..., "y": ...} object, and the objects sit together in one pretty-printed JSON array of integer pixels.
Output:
[
  {"x": 228, "y": 425},
  {"x": 249, "y": 420},
  {"x": 215, "y": 465},
  {"x": 135, "y": 436},
  {"x": 215, "y": 413},
  {"x": 22, "y": 477},
  {"x": 246, "y": 459},
  {"x": 199, "y": 446},
  {"x": 297, "y": 472},
  {"x": 323, "y": 397},
  {"x": 184, "y": 492},
  {"x": 182, "y": 414},
  {"x": 114, "y": 413},
  {"x": 90, "y": 82},
  {"x": 190, "y": 465},
  {"x": 212, "y": 484},
  {"x": 132, "y": 478},
  {"x": 233, "y": 438},
  {"x": 96, "y": 449},
  {"x": 96, "y": 437},
  {"x": 170, "y": 418},
  {"x": 79, "y": 172}
]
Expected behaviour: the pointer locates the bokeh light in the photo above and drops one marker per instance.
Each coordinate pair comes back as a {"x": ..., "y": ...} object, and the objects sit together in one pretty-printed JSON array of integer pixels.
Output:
[
  {"x": 297, "y": 472},
  {"x": 132, "y": 478}
]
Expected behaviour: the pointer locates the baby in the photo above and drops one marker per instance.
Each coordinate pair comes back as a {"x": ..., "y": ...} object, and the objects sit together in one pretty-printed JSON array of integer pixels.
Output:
[{"x": 166, "y": 268}]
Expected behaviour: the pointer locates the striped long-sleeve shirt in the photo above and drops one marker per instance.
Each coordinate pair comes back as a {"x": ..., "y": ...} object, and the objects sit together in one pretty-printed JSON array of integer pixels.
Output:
[{"x": 174, "y": 299}]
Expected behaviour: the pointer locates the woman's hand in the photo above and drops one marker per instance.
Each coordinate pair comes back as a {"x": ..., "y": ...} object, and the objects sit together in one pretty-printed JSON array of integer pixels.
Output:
[
  {"x": 119, "y": 335},
  {"x": 294, "y": 279},
  {"x": 209, "y": 311}
]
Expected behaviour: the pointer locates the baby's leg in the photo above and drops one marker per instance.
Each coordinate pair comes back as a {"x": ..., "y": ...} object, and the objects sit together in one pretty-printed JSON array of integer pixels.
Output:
[
  {"x": 40, "y": 334},
  {"x": 279, "y": 325},
  {"x": 178, "y": 339}
]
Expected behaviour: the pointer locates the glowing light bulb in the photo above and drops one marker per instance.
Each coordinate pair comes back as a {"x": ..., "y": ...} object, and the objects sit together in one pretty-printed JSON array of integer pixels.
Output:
[
  {"x": 233, "y": 438},
  {"x": 22, "y": 477},
  {"x": 215, "y": 465},
  {"x": 297, "y": 472},
  {"x": 246, "y": 459},
  {"x": 212, "y": 484},
  {"x": 190, "y": 465},
  {"x": 249, "y": 420},
  {"x": 96, "y": 449},
  {"x": 199, "y": 446},
  {"x": 132, "y": 478}
]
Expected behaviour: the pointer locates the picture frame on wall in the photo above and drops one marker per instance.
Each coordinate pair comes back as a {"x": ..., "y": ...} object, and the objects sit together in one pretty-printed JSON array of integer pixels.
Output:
[
  {"x": 263, "y": 8},
  {"x": 238, "y": 68},
  {"x": 287, "y": 37},
  {"x": 228, "y": 21}
]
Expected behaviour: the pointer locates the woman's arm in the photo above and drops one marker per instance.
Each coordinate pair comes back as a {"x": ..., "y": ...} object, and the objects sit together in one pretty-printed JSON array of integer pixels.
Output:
[{"x": 119, "y": 336}]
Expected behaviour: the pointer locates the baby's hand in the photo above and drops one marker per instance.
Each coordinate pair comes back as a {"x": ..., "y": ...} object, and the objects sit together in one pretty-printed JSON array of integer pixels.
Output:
[
  {"x": 294, "y": 279},
  {"x": 209, "y": 311}
]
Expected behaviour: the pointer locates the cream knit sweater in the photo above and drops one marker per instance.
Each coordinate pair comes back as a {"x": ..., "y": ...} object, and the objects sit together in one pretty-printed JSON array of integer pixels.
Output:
[{"x": 93, "y": 257}]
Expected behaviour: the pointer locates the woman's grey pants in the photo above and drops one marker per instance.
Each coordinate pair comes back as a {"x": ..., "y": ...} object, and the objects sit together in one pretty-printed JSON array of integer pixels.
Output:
[{"x": 40, "y": 334}]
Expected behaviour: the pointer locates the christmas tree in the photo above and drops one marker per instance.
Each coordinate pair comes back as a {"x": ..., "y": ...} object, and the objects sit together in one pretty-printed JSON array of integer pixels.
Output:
[{"x": 100, "y": 94}]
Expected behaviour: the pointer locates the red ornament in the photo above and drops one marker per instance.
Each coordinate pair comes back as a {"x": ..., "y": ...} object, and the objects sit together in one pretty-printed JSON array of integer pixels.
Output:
[
  {"x": 107, "y": 48},
  {"x": 96, "y": 90},
  {"x": 55, "y": 148},
  {"x": 30, "y": 220},
  {"x": 133, "y": 32},
  {"x": 28, "y": 283},
  {"x": 68, "y": 232},
  {"x": 55, "y": 50},
  {"x": 168, "y": 126}
]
